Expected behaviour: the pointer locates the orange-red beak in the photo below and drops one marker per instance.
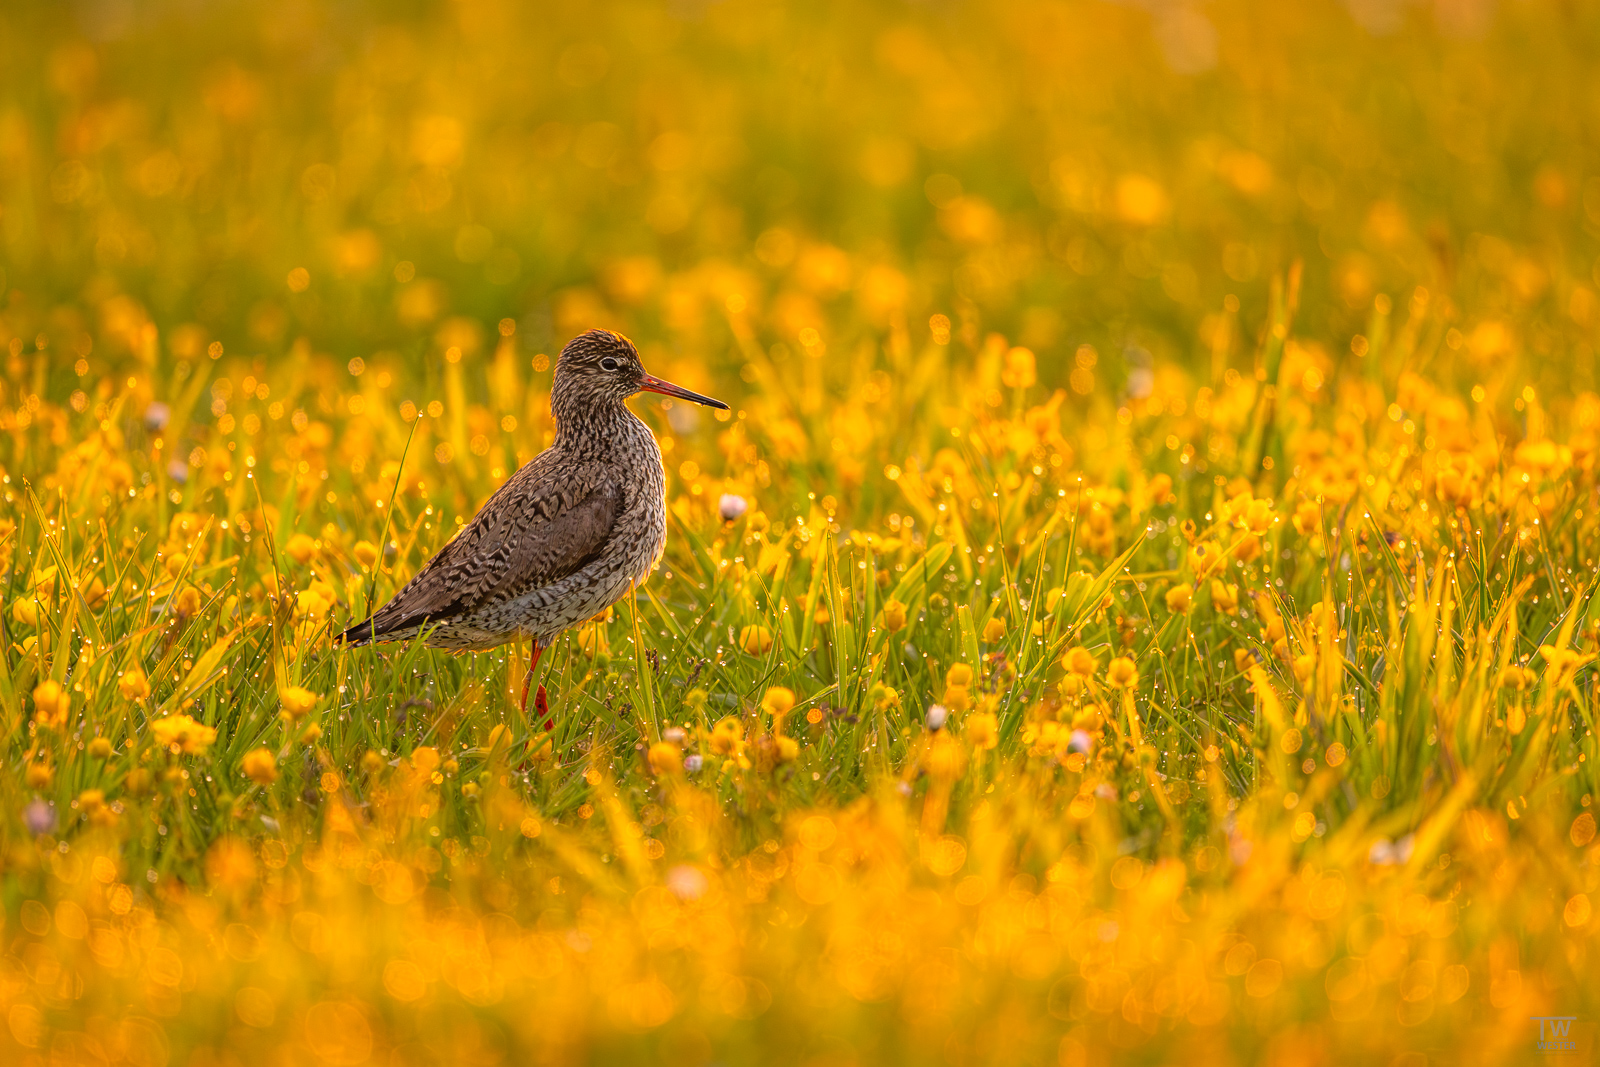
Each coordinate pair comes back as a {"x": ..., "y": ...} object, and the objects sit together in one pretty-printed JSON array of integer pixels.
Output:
[{"x": 652, "y": 384}]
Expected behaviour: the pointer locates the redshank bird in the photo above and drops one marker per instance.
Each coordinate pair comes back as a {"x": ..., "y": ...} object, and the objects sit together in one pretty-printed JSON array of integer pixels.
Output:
[{"x": 568, "y": 535}]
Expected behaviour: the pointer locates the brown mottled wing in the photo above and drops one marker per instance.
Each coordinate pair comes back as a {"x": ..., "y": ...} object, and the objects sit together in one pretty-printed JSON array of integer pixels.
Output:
[{"x": 547, "y": 522}]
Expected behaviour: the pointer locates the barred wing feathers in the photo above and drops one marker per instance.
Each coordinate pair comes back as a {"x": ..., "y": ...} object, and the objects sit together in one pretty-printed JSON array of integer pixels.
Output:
[{"x": 548, "y": 521}]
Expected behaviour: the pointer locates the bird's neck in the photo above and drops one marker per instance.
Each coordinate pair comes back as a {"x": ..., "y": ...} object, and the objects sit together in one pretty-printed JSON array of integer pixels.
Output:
[{"x": 593, "y": 425}]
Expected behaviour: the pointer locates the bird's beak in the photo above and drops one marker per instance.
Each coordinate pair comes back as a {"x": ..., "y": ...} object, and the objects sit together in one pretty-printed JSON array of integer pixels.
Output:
[{"x": 652, "y": 384}]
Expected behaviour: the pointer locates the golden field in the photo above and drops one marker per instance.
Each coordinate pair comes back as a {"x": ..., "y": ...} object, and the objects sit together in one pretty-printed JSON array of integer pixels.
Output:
[{"x": 1141, "y": 607}]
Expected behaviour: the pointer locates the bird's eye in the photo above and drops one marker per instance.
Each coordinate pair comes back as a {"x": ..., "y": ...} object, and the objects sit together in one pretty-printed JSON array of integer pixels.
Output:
[{"x": 608, "y": 364}]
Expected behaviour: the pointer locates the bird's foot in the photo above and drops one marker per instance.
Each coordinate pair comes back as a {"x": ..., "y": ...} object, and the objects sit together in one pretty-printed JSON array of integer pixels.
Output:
[{"x": 541, "y": 710}]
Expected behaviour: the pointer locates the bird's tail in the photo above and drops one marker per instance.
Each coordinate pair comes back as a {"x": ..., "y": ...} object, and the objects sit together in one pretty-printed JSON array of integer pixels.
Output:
[{"x": 362, "y": 633}]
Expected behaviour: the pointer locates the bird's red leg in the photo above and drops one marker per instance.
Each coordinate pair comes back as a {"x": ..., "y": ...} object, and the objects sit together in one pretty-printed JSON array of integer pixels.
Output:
[
  {"x": 527, "y": 679},
  {"x": 541, "y": 705}
]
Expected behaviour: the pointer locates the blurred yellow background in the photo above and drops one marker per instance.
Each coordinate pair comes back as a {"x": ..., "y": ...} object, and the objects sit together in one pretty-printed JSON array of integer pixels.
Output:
[
  {"x": 358, "y": 174},
  {"x": 1140, "y": 607}
]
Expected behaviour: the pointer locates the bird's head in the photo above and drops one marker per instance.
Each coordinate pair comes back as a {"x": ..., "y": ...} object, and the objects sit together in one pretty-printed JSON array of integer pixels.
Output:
[{"x": 601, "y": 366}]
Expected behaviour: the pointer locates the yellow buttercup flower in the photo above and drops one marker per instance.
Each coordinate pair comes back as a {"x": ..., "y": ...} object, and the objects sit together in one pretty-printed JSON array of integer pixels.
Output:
[
  {"x": 1205, "y": 558},
  {"x": 727, "y": 736},
  {"x": 1562, "y": 659},
  {"x": 1225, "y": 597},
  {"x": 1121, "y": 673},
  {"x": 1020, "y": 371},
  {"x": 316, "y": 600},
  {"x": 755, "y": 640},
  {"x": 300, "y": 548},
  {"x": 777, "y": 701},
  {"x": 665, "y": 759},
  {"x": 184, "y": 734},
  {"x": 44, "y": 581},
  {"x": 1159, "y": 489},
  {"x": 25, "y": 611},
  {"x": 592, "y": 641},
  {"x": 1307, "y": 517},
  {"x": 187, "y": 602},
  {"x": 1258, "y": 516},
  {"x": 1080, "y": 661},
  {"x": 260, "y": 766},
  {"x": 51, "y": 703},
  {"x": 296, "y": 702},
  {"x": 1517, "y": 677},
  {"x": 1516, "y": 719}
]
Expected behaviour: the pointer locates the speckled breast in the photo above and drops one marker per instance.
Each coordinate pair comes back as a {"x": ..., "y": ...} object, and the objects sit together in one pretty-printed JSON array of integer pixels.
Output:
[{"x": 635, "y": 545}]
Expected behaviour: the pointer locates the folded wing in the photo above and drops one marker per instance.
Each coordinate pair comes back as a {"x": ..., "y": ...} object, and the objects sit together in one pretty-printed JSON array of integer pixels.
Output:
[{"x": 525, "y": 537}]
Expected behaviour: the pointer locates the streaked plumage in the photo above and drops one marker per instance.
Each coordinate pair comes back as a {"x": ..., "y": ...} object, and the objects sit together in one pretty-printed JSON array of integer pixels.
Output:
[{"x": 568, "y": 533}]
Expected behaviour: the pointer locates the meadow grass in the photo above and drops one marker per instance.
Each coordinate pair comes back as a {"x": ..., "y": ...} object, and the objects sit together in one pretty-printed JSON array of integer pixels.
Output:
[{"x": 1141, "y": 606}]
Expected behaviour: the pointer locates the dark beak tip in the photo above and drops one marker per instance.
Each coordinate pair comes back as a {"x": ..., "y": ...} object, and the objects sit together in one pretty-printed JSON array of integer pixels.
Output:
[{"x": 652, "y": 384}]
